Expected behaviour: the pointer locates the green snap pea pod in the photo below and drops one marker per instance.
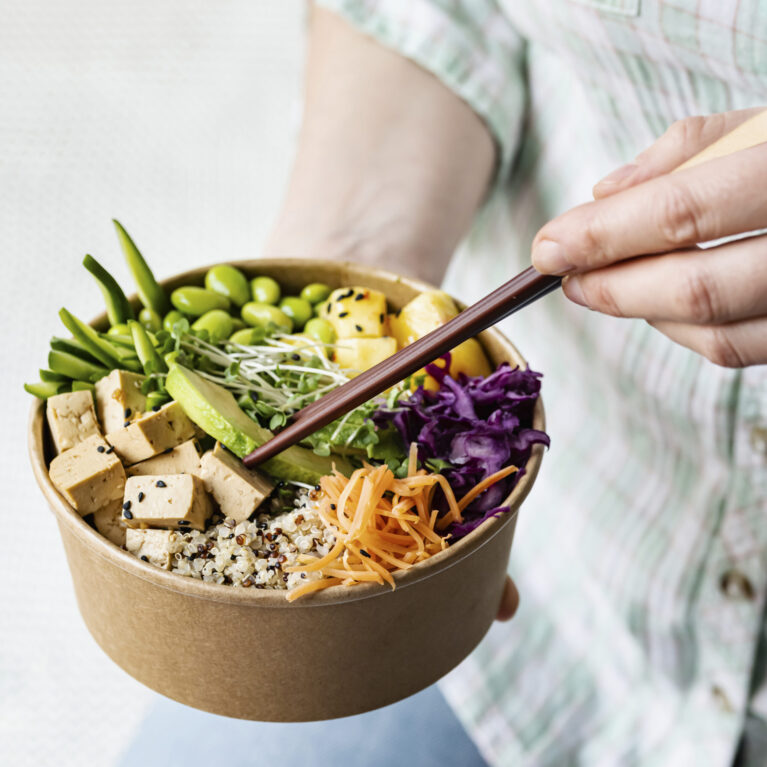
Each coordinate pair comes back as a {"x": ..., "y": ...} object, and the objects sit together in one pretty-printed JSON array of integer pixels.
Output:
[
  {"x": 298, "y": 309},
  {"x": 121, "y": 329},
  {"x": 315, "y": 292},
  {"x": 172, "y": 357},
  {"x": 74, "y": 367},
  {"x": 50, "y": 376},
  {"x": 119, "y": 309},
  {"x": 150, "y": 320},
  {"x": 230, "y": 282},
  {"x": 150, "y": 360},
  {"x": 125, "y": 341},
  {"x": 150, "y": 292},
  {"x": 265, "y": 290},
  {"x": 170, "y": 319},
  {"x": 258, "y": 314},
  {"x": 82, "y": 386},
  {"x": 45, "y": 389},
  {"x": 72, "y": 346},
  {"x": 321, "y": 330},
  {"x": 196, "y": 301},
  {"x": 248, "y": 336},
  {"x": 102, "y": 350},
  {"x": 155, "y": 400},
  {"x": 217, "y": 322}
]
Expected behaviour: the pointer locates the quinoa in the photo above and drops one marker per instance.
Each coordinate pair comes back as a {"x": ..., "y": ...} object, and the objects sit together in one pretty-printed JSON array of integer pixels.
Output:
[{"x": 254, "y": 553}]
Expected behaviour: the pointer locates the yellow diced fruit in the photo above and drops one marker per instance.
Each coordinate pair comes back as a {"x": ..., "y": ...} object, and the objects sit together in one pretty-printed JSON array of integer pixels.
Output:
[
  {"x": 359, "y": 354},
  {"x": 356, "y": 312},
  {"x": 468, "y": 358}
]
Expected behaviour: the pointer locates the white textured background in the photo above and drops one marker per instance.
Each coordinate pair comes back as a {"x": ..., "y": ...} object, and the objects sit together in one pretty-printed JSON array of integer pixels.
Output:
[{"x": 177, "y": 118}]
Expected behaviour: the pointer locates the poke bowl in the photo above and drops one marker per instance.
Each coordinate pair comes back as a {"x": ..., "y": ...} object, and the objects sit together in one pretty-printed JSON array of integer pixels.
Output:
[{"x": 251, "y": 653}]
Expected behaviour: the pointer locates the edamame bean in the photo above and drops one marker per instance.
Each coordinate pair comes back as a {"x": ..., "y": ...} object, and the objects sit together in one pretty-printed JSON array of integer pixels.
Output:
[
  {"x": 150, "y": 320},
  {"x": 217, "y": 322},
  {"x": 238, "y": 324},
  {"x": 298, "y": 309},
  {"x": 170, "y": 319},
  {"x": 315, "y": 292},
  {"x": 265, "y": 290},
  {"x": 321, "y": 330},
  {"x": 196, "y": 301},
  {"x": 256, "y": 313},
  {"x": 121, "y": 329},
  {"x": 156, "y": 399},
  {"x": 228, "y": 281},
  {"x": 248, "y": 336}
]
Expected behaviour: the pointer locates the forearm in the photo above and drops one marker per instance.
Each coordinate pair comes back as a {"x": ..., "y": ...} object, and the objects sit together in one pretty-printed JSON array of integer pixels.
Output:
[{"x": 391, "y": 165}]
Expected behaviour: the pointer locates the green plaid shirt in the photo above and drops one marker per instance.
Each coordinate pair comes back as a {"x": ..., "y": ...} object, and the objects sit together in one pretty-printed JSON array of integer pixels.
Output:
[{"x": 641, "y": 554}]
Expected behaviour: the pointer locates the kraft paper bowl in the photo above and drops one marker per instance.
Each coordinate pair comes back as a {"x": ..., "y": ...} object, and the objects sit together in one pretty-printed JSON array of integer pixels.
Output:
[{"x": 249, "y": 653}]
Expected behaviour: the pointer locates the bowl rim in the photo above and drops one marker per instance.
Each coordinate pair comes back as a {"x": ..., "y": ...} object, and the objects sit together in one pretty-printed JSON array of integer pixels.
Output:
[{"x": 67, "y": 516}]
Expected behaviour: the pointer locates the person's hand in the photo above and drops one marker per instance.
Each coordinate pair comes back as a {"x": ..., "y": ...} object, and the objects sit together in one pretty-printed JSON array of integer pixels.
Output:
[
  {"x": 509, "y": 601},
  {"x": 631, "y": 252}
]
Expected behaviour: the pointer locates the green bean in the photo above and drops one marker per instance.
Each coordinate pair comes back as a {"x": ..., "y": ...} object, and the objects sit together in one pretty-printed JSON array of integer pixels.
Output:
[
  {"x": 74, "y": 367},
  {"x": 121, "y": 329},
  {"x": 248, "y": 336},
  {"x": 125, "y": 341},
  {"x": 298, "y": 309},
  {"x": 150, "y": 360},
  {"x": 83, "y": 386},
  {"x": 170, "y": 319},
  {"x": 315, "y": 292},
  {"x": 72, "y": 346},
  {"x": 102, "y": 350},
  {"x": 49, "y": 376},
  {"x": 156, "y": 399},
  {"x": 119, "y": 309},
  {"x": 264, "y": 315},
  {"x": 217, "y": 322},
  {"x": 45, "y": 389},
  {"x": 196, "y": 301},
  {"x": 150, "y": 320},
  {"x": 228, "y": 281},
  {"x": 321, "y": 330},
  {"x": 151, "y": 293},
  {"x": 265, "y": 290}
]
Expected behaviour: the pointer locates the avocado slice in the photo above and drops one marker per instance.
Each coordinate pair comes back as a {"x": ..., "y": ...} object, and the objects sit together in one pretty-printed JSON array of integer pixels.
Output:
[{"x": 217, "y": 413}]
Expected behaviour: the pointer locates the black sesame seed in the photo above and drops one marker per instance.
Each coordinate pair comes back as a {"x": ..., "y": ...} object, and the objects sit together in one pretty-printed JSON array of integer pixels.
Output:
[
  {"x": 126, "y": 424},
  {"x": 359, "y": 328},
  {"x": 160, "y": 483},
  {"x": 168, "y": 450},
  {"x": 128, "y": 514},
  {"x": 333, "y": 506},
  {"x": 155, "y": 408},
  {"x": 144, "y": 557},
  {"x": 381, "y": 318},
  {"x": 281, "y": 483},
  {"x": 126, "y": 505},
  {"x": 184, "y": 522},
  {"x": 110, "y": 449},
  {"x": 398, "y": 312},
  {"x": 295, "y": 357},
  {"x": 317, "y": 487},
  {"x": 359, "y": 296},
  {"x": 127, "y": 413},
  {"x": 343, "y": 314},
  {"x": 101, "y": 449},
  {"x": 141, "y": 496},
  {"x": 364, "y": 553}
]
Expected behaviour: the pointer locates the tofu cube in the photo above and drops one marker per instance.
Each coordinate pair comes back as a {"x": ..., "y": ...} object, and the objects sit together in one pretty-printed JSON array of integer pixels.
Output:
[
  {"x": 89, "y": 475},
  {"x": 71, "y": 419},
  {"x": 176, "y": 501},
  {"x": 119, "y": 399},
  {"x": 154, "y": 546},
  {"x": 108, "y": 522},
  {"x": 356, "y": 312},
  {"x": 183, "y": 459},
  {"x": 359, "y": 354},
  {"x": 237, "y": 490},
  {"x": 152, "y": 433}
]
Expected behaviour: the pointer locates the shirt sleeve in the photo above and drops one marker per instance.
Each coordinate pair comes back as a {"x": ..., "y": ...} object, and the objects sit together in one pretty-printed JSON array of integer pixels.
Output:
[{"x": 470, "y": 45}]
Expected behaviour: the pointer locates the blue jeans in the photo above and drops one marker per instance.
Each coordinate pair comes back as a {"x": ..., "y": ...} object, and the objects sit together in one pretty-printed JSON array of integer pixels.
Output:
[{"x": 421, "y": 731}]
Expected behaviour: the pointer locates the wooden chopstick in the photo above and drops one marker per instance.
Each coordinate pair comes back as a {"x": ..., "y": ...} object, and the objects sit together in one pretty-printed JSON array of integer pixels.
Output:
[{"x": 519, "y": 291}]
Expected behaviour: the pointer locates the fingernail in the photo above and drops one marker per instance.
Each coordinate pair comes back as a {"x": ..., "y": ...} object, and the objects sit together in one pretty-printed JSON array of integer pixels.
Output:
[
  {"x": 619, "y": 175},
  {"x": 549, "y": 258},
  {"x": 574, "y": 291}
]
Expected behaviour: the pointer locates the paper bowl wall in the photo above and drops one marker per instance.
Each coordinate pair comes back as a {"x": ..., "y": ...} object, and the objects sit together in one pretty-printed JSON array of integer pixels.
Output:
[{"x": 249, "y": 653}]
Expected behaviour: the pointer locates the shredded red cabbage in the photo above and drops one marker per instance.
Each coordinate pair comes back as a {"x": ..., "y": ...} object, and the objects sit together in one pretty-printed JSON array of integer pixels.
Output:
[{"x": 472, "y": 427}]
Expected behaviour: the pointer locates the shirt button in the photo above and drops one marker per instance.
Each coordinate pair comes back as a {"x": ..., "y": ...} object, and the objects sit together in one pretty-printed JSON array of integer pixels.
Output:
[
  {"x": 735, "y": 585},
  {"x": 720, "y": 698},
  {"x": 759, "y": 439}
]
